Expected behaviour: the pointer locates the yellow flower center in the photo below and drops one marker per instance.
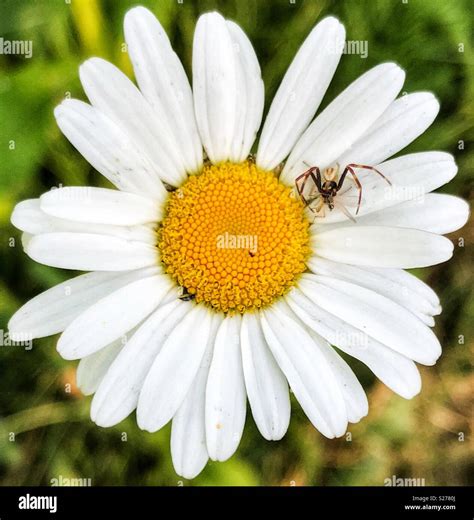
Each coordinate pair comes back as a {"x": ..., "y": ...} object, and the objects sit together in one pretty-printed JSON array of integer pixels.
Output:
[{"x": 234, "y": 237}]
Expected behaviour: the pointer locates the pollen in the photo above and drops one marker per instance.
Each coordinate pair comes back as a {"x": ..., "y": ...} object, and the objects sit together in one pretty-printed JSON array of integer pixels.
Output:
[{"x": 234, "y": 237}]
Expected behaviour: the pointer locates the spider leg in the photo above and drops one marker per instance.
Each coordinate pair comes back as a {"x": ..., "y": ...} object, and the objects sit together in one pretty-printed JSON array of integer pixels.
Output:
[
  {"x": 365, "y": 167},
  {"x": 343, "y": 208},
  {"x": 341, "y": 179},
  {"x": 300, "y": 189},
  {"x": 319, "y": 209},
  {"x": 349, "y": 169},
  {"x": 317, "y": 178},
  {"x": 305, "y": 176}
]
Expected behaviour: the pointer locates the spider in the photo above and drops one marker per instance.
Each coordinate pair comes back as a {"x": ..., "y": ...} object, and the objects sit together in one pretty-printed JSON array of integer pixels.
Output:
[{"x": 328, "y": 185}]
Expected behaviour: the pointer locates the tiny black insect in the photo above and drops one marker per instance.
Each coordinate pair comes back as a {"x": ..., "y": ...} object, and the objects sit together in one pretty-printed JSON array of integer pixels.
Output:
[{"x": 186, "y": 297}]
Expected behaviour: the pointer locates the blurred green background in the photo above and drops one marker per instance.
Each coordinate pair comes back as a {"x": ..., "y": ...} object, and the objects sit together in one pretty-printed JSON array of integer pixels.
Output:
[{"x": 428, "y": 437}]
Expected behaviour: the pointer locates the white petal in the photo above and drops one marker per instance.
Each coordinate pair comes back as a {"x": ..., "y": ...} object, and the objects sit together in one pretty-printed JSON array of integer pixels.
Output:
[
  {"x": 300, "y": 92},
  {"x": 112, "y": 316},
  {"x": 89, "y": 252},
  {"x": 226, "y": 85},
  {"x": 100, "y": 206},
  {"x": 25, "y": 240},
  {"x": 306, "y": 370},
  {"x": 377, "y": 246},
  {"x": 403, "y": 121},
  {"x": 339, "y": 125},
  {"x": 109, "y": 90},
  {"x": 403, "y": 291},
  {"x": 188, "y": 431},
  {"x": 173, "y": 370},
  {"x": 397, "y": 371},
  {"x": 412, "y": 176},
  {"x": 375, "y": 315},
  {"x": 108, "y": 148},
  {"x": 28, "y": 216},
  {"x": 355, "y": 399},
  {"x": 435, "y": 213},
  {"x": 251, "y": 95},
  {"x": 225, "y": 392},
  {"x": 163, "y": 81},
  {"x": 117, "y": 395},
  {"x": 53, "y": 310},
  {"x": 92, "y": 369},
  {"x": 410, "y": 282},
  {"x": 267, "y": 388}
]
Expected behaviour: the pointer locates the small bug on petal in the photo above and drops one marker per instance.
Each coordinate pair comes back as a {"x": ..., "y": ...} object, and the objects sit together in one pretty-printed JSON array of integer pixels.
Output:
[{"x": 328, "y": 184}]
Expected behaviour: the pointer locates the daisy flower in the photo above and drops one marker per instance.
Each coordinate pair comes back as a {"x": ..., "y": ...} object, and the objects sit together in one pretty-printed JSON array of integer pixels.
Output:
[{"x": 209, "y": 281}]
